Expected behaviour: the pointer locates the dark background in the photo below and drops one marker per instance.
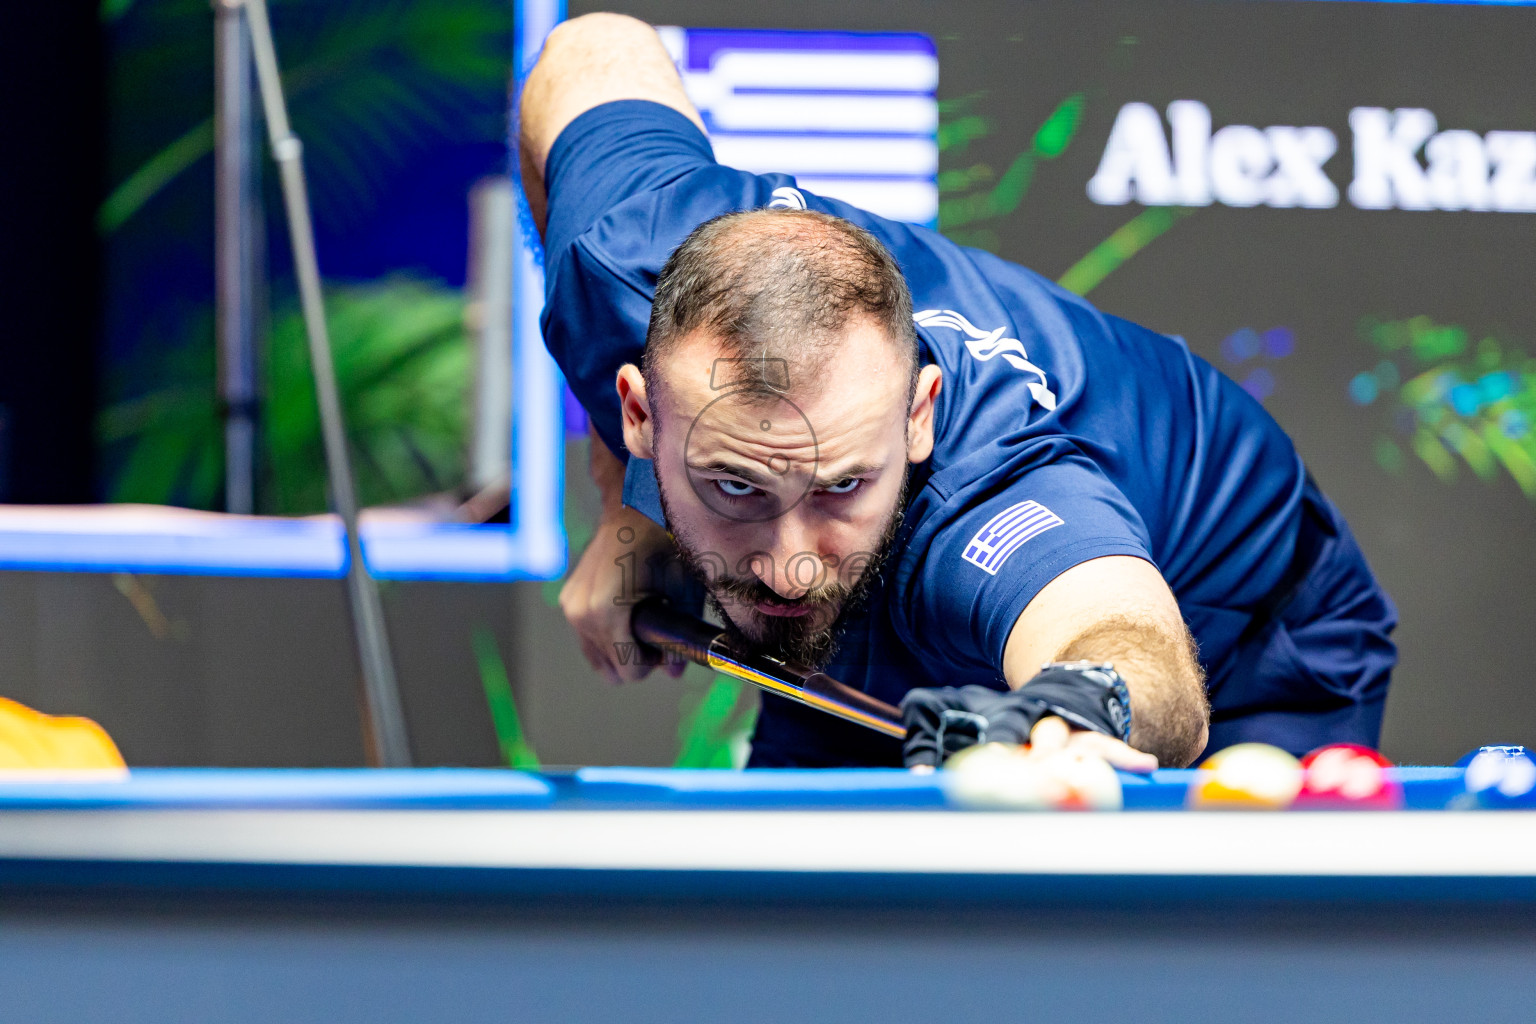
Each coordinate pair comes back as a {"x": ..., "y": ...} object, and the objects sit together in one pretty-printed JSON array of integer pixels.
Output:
[{"x": 52, "y": 121}]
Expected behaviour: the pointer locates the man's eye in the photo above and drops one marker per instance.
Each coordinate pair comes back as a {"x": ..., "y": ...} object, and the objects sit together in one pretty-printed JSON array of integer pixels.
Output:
[
  {"x": 735, "y": 488},
  {"x": 847, "y": 486}
]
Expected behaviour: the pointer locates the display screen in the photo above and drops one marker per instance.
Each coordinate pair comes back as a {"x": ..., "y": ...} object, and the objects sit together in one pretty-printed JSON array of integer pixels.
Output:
[{"x": 1335, "y": 204}]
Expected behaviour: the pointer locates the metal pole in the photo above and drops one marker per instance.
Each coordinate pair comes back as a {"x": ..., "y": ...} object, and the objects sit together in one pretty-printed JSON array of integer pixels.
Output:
[
  {"x": 237, "y": 252},
  {"x": 492, "y": 217},
  {"x": 384, "y": 721}
]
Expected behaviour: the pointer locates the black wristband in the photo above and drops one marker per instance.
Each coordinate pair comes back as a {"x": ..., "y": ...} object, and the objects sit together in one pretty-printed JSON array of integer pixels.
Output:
[{"x": 1086, "y": 694}]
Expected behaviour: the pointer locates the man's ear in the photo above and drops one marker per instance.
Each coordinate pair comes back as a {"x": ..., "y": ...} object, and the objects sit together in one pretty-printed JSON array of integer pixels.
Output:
[
  {"x": 930, "y": 380},
  {"x": 635, "y": 411}
]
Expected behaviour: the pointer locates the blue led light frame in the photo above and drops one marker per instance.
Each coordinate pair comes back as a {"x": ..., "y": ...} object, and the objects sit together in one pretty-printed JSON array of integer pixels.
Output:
[{"x": 538, "y": 427}]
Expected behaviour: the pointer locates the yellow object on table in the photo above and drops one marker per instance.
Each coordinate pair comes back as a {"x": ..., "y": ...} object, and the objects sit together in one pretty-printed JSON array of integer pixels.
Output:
[
  {"x": 1247, "y": 777},
  {"x": 31, "y": 740}
]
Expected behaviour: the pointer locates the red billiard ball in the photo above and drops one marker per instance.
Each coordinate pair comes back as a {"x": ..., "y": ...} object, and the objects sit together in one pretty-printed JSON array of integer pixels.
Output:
[{"x": 1347, "y": 775}]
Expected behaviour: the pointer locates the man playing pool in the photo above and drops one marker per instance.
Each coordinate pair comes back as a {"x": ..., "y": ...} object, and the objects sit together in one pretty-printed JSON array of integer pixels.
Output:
[{"x": 917, "y": 465}]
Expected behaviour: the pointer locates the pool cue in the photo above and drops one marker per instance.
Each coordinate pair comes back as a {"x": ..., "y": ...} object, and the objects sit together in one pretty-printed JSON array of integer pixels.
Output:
[
  {"x": 384, "y": 716},
  {"x": 658, "y": 625}
]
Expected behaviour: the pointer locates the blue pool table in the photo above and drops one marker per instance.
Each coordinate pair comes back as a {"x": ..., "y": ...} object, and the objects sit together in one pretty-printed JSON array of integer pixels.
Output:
[{"x": 609, "y": 894}]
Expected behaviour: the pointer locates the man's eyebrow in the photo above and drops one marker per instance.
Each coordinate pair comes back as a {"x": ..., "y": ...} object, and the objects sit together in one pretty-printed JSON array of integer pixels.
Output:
[
  {"x": 742, "y": 470},
  {"x": 847, "y": 472},
  {"x": 758, "y": 479}
]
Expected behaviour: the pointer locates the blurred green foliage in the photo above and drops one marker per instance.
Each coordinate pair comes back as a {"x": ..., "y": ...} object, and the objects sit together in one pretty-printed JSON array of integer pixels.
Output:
[
  {"x": 978, "y": 201},
  {"x": 370, "y": 84},
  {"x": 1124, "y": 242},
  {"x": 1457, "y": 403},
  {"x": 510, "y": 738},
  {"x": 373, "y": 86},
  {"x": 402, "y": 366},
  {"x": 111, "y": 10},
  {"x": 975, "y": 199},
  {"x": 715, "y": 726}
]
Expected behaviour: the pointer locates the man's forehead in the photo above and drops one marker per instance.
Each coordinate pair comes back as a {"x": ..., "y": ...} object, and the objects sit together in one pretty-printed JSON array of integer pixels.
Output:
[
  {"x": 855, "y": 368},
  {"x": 755, "y": 427}
]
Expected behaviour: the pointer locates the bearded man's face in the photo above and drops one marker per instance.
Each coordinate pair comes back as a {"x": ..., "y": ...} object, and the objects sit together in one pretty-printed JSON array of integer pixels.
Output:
[{"x": 785, "y": 504}]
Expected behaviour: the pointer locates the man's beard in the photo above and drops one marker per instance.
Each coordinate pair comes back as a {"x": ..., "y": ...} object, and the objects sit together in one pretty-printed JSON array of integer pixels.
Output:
[{"x": 809, "y": 640}]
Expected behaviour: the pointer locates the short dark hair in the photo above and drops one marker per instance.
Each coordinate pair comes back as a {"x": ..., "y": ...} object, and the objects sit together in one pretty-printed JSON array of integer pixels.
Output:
[{"x": 778, "y": 288}]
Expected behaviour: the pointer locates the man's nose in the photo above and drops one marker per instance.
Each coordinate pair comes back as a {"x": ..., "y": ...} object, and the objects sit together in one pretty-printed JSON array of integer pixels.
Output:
[{"x": 797, "y": 565}]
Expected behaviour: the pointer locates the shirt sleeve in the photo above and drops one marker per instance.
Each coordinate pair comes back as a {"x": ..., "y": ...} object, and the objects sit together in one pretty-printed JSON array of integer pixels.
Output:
[
  {"x": 982, "y": 553},
  {"x": 611, "y": 153},
  {"x": 627, "y": 182}
]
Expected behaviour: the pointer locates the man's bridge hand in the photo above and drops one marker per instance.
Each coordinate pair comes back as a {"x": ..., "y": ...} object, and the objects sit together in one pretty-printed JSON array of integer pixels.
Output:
[
  {"x": 945, "y": 720},
  {"x": 602, "y": 589}
]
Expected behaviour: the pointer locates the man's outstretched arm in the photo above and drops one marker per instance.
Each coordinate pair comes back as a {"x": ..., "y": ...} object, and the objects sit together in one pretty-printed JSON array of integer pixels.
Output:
[
  {"x": 586, "y": 62},
  {"x": 1117, "y": 609}
]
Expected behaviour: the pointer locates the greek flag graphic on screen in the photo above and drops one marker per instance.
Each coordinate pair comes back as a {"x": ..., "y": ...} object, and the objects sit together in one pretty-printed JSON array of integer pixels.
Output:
[
  {"x": 852, "y": 115},
  {"x": 1006, "y": 532}
]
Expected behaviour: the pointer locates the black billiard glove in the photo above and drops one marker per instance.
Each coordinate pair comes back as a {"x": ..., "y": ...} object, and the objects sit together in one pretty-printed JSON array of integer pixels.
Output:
[{"x": 945, "y": 720}]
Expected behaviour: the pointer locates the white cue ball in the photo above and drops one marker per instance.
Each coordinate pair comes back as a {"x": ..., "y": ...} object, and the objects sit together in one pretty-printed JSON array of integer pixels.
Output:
[{"x": 1003, "y": 776}]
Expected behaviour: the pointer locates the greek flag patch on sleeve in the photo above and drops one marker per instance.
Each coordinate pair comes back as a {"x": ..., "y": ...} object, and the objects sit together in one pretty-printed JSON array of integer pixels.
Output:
[{"x": 1006, "y": 532}]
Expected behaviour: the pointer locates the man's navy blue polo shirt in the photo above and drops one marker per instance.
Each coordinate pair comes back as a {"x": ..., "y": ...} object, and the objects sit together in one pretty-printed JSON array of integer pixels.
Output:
[{"x": 1062, "y": 434}]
